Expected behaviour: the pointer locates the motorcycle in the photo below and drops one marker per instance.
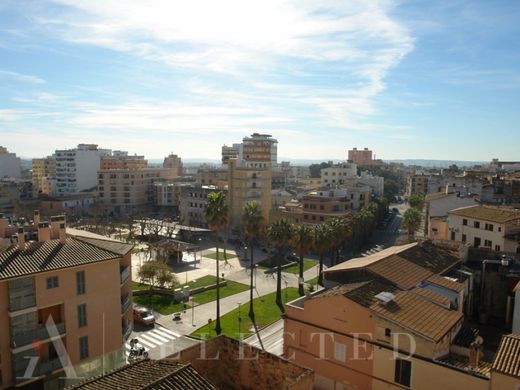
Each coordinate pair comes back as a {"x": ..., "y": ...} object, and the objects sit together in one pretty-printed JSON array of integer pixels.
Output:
[{"x": 137, "y": 351}]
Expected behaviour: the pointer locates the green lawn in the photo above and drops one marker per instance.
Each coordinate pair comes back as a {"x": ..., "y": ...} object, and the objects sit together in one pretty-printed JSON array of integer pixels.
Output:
[
  {"x": 204, "y": 281},
  {"x": 295, "y": 269},
  {"x": 213, "y": 255},
  {"x": 266, "y": 312},
  {"x": 270, "y": 262},
  {"x": 165, "y": 304},
  {"x": 312, "y": 281}
]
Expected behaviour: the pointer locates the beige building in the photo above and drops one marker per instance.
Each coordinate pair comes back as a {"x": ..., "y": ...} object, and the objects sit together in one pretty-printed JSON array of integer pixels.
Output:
[
  {"x": 9, "y": 164},
  {"x": 44, "y": 175},
  {"x": 208, "y": 176},
  {"x": 192, "y": 200},
  {"x": 337, "y": 174},
  {"x": 121, "y": 160},
  {"x": 173, "y": 162},
  {"x": 417, "y": 184},
  {"x": 493, "y": 227},
  {"x": 228, "y": 152},
  {"x": 129, "y": 190},
  {"x": 66, "y": 301},
  {"x": 388, "y": 321}
]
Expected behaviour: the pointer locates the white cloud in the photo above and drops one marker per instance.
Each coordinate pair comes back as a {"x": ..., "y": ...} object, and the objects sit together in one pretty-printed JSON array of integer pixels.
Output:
[{"x": 21, "y": 77}]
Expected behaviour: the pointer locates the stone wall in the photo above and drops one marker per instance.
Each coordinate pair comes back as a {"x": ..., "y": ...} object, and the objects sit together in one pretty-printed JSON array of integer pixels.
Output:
[{"x": 229, "y": 364}]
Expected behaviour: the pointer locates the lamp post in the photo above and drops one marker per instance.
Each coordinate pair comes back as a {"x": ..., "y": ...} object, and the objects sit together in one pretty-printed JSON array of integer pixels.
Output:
[
  {"x": 239, "y": 318},
  {"x": 286, "y": 283},
  {"x": 245, "y": 252},
  {"x": 192, "y": 303}
]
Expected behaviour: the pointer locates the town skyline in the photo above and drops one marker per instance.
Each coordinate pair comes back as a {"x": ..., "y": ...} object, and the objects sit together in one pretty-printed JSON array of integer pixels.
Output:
[{"x": 407, "y": 80}]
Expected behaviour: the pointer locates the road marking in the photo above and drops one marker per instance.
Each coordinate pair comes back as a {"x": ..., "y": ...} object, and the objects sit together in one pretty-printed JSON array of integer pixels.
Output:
[
  {"x": 155, "y": 337},
  {"x": 146, "y": 343},
  {"x": 168, "y": 332}
]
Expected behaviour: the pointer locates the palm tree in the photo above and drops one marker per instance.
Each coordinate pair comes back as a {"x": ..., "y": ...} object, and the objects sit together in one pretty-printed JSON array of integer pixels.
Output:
[
  {"x": 339, "y": 231},
  {"x": 322, "y": 243},
  {"x": 216, "y": 213},
  {"x": 252, "y": 221},
  {"x": 280, "y": 233},
  {"x": 412, "y": 220},
  {"x": 303, "y": 242}
]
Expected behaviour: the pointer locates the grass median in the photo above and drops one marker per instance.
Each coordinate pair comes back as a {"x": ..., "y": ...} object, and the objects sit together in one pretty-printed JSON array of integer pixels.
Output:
[{"x": 266, "y": 312}]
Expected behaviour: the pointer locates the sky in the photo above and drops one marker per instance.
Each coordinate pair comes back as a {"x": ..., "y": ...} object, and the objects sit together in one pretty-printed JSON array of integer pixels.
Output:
[{"x": 407, "y": 79}]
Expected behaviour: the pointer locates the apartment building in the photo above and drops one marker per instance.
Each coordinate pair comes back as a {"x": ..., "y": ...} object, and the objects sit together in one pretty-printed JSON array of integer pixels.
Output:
[
  {"x": 260, "y": 148},
  {"x": 121, "y": 160},
  {"x": 322, "y": 205},
  {"x": 360, "y": 157},
  {"x": 44, "y": 175},
  {"x": 233, "y": 151},
  {"x": 493, "y": 227},
  {"x": 129, "y": 190},
  {"x": 417, "y": 184},
  {"x": 76, "y": 169},
  {"x": 174, "y": 162},
  {"x": 388, "y": 321},
  {"x": 192, "y": 200},
  {"x": 437, "y": 207},
  {"x": 337, "y": 174},
  {"x": 9, "y": 164},
  {"x": 210, "y": 176},
  {"x": 66, "y": 300},
  {"x": 13, "y": 191}
]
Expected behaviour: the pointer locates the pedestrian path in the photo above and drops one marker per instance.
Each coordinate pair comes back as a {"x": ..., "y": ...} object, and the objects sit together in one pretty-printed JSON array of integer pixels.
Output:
[{"x": 152, "y": 338}]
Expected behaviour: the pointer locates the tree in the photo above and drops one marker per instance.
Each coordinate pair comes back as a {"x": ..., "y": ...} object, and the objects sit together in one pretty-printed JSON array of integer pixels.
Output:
[
  {"x": 303, "y": 243},
  {"x": 339, "y": 231},
  {"x": 412, "y": 220},
  {"x": 322, "y": 243},
  {"x": 216, "y": 214},
  {"x": 315, "y": 169},
  {"x": 252, "y": 221},
  {"x": 416, "y": 200},
  {"x": 157, "y": 274},
  {"x": 280, "y": 234}
]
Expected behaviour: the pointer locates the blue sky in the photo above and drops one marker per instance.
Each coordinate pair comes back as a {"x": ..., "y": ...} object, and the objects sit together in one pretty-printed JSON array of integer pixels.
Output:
[{"x": 408, "y": 79}]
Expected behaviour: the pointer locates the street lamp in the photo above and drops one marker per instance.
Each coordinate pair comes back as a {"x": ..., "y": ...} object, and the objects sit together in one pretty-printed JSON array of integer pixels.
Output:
[
  {"x": 239, "y": 318},
  {"x": 192, "y": 303},
  {"x": 286, "y": 283}
]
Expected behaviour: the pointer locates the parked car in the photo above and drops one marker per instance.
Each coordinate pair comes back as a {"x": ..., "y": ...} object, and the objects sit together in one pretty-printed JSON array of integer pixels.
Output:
[{"x": 144, "y": 316}]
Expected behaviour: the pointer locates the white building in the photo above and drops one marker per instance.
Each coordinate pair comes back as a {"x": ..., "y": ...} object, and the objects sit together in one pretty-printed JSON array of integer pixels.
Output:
[
  {"x": 76, "y": 169},
  {"x": 493, "y": 227},
  {"x": 337, "y": 174},
  {"x": 9, "y": 164}
]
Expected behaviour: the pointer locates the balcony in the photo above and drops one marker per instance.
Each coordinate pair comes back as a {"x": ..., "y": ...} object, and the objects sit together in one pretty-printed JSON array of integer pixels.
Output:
[
  {"x": 125, "y": 303},
  {"x": 42, "y": 368},
  {"x": 127, "y": 331},
  {"x": 125, "y": 274},
  {"x": 40, "y": 333}
]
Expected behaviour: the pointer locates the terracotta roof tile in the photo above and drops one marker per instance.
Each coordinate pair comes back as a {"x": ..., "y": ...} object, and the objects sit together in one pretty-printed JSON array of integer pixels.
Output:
[
  {"x": 497, "y": 214},
  {"x": 432, "y": 296},
  {"x": 418, "y": 315},
  {"x": 446, "y": 283},
  {"x": 402, "y": 273},
  {"x": 50, "y": 255},
  {"x": 507, "y": 358},
  {"x": 149, "y": 374}
]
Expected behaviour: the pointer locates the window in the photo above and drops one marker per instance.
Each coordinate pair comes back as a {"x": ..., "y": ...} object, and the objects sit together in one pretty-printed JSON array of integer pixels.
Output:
[
  {"x": 463, "y": 238},
  {"x": 82, "y": 315},
  {"x": 499, "y": 228},
  {"x": 476, "y": 242},
  {"x": 476, "y": 224},
  {"x": 488, "y": 243},
  {"x": 465, "y": 222},
  {"x": 489, "y": 226},
  {"x": 497, "y": 248},
  {"x": 80, "y": 282},
  {"x": 322, "y": 207},
  {"x": 52, "y": 282},
  {"x": 388, "y": 332},
  {"x": 453, "y": 236},
  {"x": 322, "y": 219},
  {"x": 83, "y": 347},
  {"x": 403, "y": 370},
  {"x": 340, "y": 352}
]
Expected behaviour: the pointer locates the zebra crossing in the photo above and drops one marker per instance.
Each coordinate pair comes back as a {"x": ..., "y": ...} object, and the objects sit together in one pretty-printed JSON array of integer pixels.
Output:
[{"x": 152, "y": 339}]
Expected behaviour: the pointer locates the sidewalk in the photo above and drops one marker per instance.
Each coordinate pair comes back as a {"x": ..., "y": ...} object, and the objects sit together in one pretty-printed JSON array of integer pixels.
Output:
[{"x": 201, "y": 314}]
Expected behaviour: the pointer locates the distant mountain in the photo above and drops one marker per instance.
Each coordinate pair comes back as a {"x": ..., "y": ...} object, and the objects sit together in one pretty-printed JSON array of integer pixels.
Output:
[{"x": 437, "y": 163}]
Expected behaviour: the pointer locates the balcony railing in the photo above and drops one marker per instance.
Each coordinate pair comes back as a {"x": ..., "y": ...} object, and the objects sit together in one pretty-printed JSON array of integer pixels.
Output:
[
  {"x": 42, "y": 368},
  {"x": 125, "y": 303},
  {"x": 125, "y": 274},
  {"x": 39, "y": 334},
  {"x": 127, "y": 331}
]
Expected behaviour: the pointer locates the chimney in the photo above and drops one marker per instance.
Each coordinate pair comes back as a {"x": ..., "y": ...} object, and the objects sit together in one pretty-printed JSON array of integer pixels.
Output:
[
  {"x": 3, "y": 225},
  {"x": 63, "y": 233},
  {"x": 36, "y": 218},
  {"x": 56, "y": 221},
  {"x": 44, "y": 232},
  {"x": 20, "y": 236},
  {"x": 474, "y": 353}
]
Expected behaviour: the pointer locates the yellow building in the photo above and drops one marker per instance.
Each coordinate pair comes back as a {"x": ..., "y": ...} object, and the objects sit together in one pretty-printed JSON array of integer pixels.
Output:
[
  {"x": 66, "y": 304},
  {"x": 43, "y": 173}
]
